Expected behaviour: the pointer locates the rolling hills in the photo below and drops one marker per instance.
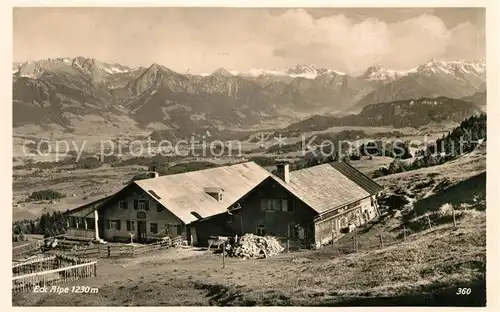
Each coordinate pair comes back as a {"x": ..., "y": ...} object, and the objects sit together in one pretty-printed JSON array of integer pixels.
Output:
[{"x": 398, "y": 114}]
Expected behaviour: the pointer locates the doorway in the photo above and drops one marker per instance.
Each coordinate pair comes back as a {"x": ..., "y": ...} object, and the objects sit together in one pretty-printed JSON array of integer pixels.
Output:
[{"x": 141, "y": 231}]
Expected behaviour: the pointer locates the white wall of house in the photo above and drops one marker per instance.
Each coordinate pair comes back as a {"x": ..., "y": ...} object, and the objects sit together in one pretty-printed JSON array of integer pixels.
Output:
[
  {"x": 365, "y": 211},
  {"x": 122, "y": 210}
]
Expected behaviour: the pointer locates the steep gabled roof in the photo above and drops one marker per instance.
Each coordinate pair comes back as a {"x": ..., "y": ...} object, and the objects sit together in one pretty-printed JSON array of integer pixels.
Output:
[
  {"x": 184, "y": 194},
  {"x": 329, "y": 186},
  {"x": 357, "y": 177}
]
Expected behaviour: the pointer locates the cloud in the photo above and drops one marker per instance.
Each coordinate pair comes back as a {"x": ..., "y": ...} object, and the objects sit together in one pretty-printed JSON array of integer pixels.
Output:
[
  {"x": 240, "y": 39},
  {"x": 339, "y": 42}
]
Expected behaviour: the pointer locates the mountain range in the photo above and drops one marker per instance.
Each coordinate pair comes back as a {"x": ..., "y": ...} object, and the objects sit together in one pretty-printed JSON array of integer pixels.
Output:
[{"x": 72, "y": 93}]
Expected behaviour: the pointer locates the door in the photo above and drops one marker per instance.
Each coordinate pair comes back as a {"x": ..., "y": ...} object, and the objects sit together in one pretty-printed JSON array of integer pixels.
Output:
[{"x": 141, "y": 231}]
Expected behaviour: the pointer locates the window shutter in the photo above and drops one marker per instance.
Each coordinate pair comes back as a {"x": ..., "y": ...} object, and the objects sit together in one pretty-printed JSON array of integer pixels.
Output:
[
  {"x": 125, "y": 204},
  {"x": 128, "y": 225},
  {"x": 146, "y": 205},
  {"x": 262, "y": 204},
  {"x": 118, "y": 225},
  {"x": 136, "y": 204},
  {"x": 108, "y": 224}
]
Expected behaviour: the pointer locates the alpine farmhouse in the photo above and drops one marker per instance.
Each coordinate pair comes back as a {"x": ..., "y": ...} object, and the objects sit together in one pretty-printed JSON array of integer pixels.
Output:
[{"x": 311, "y": 205}]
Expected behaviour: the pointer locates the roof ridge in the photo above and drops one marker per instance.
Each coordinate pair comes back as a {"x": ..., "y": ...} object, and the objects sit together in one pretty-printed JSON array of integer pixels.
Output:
[{"x": 201, "y": 170}]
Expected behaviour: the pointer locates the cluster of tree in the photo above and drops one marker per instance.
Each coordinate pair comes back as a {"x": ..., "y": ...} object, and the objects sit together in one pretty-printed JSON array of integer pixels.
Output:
[
  {"x": 88, "y": 163},
  {"x": 394, "y": 149},
  {"x": 45, "y": 195},
  {"x": 263, "y": 161},
  {"x": 48, "y": 224},
  {"x": 146, "y": 160},
  {"x": 462, "y": 140}
]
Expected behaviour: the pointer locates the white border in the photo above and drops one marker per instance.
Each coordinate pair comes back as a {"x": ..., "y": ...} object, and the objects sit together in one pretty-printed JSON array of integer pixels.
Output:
[{"x": 492, "y": 21}]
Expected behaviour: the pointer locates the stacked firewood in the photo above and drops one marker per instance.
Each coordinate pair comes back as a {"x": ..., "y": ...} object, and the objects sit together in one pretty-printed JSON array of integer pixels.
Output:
[{"x": 254, "y": 246}]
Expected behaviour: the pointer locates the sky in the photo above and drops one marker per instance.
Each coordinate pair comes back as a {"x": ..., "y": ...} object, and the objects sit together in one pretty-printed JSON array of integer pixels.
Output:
[{"x": 203, "y": 39}]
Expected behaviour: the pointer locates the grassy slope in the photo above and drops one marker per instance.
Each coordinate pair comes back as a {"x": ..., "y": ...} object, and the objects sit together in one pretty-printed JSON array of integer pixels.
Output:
[
  {"x": 426, "y": 269},
  {"x": 423, "y": 270}
]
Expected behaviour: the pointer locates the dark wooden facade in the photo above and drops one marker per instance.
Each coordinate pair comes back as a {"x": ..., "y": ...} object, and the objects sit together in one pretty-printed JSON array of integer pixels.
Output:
[{"x": 253, "y": 213}]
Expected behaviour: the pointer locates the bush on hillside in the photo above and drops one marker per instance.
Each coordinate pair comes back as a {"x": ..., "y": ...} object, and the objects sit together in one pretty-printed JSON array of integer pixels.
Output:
[
  {"x": 88, "y": 163},
  {"x": 45, "y": 195}
]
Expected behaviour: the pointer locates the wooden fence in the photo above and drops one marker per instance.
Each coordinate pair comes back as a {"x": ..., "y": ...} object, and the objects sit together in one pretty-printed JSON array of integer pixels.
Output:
[
  {"x": 50, "y": 270},
  {"x": 110, "y": 250},
  {"x": 35, "y": 265}
]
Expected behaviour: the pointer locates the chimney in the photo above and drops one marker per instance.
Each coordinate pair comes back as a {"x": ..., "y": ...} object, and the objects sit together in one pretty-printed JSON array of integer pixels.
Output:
[{"x": 283, "y": 171}]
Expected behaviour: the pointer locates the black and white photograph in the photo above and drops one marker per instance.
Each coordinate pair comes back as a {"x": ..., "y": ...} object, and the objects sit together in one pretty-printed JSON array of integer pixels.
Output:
[{"x": 168, "y": 156}]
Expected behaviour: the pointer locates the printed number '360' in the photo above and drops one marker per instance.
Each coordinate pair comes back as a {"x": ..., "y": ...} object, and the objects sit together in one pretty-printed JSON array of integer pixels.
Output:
[{"x": 464, "y": 291}]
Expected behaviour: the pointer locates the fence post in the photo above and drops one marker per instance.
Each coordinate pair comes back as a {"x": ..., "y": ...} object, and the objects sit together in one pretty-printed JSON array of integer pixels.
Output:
[
  {"x": 355, "y": 240},
  {"x": 223, "y": 255},
  {"x": 333, "y": 236},
  {"x": 454, "y": 220},
  {"x": 288, "y": 240},
  {"x": 429, "y": 221},
  {"x": 109, "y": 251},
  {"x": 404, "y": 232},
  {"x": 381, "y": 240}
]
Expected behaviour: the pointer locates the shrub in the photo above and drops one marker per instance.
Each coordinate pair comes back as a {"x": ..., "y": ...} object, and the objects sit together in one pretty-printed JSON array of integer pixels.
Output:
[
  {"x": 88, "y": 163},
  {"x": 45, "y": 195}
]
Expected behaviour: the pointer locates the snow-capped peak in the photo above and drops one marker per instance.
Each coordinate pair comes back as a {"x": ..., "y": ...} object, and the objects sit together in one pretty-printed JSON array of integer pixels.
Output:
[
  {"x": 300, "y": 70},
  {"x": 34, "y": 69},
  {"x": 460, "y": 67},
  {"x": 379, "y": 73}
]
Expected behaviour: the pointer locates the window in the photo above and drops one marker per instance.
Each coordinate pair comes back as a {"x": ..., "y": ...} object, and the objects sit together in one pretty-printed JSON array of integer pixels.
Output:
[
  {"x": 91, "y": 223},
  {"x": 72, "y": 222},
  {"x": 179, "y": 229},
  {"x": 130, "y": 225},
  {"x": 81, "y": 223},
  {"x": 115, "y": 224},
  {"x": 275, "y": 204},
  {"x": 159, "y": 207},
  {"x": 260, "y": 230},
  {"x": 122, "y": 204},
  {"x": 284, "y": 205},
  {"x": 143, "y": 205},
  {"x": 153, "y": 228}
]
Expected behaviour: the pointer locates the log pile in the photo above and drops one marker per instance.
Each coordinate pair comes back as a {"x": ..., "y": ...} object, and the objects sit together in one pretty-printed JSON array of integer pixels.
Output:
[{"x": 254, "y": 246}]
